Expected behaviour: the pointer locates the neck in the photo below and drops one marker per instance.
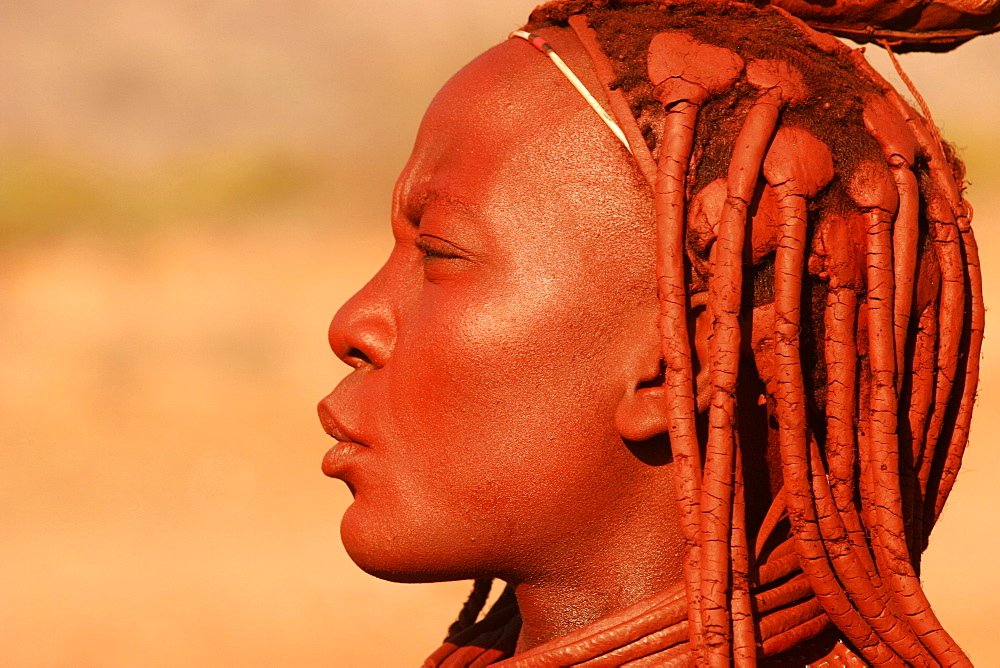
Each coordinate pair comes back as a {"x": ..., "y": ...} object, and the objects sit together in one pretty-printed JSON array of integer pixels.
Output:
[
  {"x": 551, "y": 612},
  {"x": 586, "y": 588}
]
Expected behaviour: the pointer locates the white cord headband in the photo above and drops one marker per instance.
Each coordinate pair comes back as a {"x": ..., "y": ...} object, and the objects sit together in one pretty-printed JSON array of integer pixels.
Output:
[{"x": 546, "y": 48}]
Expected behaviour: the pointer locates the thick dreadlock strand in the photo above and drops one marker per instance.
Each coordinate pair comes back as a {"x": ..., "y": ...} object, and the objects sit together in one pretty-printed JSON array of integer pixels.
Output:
[
  {"x": 744, "y": 636},
  {"x": 473, "y": 606},
  {"x": 921, "y": 397},
  {"x": 852, "y": 565},
  {"x": 681, "y": 99},
  {"x": 947, "y": 245},
  {"x": 943, "y": 168},
  {"x": 874, "y": 192},
  {"x": 647, "y": 645},
  {"x": 841, "y": 356},
  {"x": 662, "y": 611},
  {"x": 780, "y": 84},
  {"x": 957, "y": 231},
  {"x": 796, "y": 589},
  {"x": 899, "y": 147},
  {"x": 725, "y": 297},
  {"x": 787, "y": 640},
  {"x": 777, "y": 512},
  {"x": 856, "y": 572},
  {"x": 784, "y": 628},
  {"x": 976, "y": 322},
  {"x": 782, "y": 562},
  {"x": 795, "y": 180},
  {"x": 841, "y": 529},
  {"x": 798, "y": 166}
]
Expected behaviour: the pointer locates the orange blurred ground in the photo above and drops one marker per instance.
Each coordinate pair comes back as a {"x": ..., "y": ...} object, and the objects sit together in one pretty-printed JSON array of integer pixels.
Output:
[{"x": 187, "y": 193}]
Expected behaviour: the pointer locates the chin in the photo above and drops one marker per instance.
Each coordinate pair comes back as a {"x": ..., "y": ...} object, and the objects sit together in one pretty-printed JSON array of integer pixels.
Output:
[{"x": 400, "y": 551}]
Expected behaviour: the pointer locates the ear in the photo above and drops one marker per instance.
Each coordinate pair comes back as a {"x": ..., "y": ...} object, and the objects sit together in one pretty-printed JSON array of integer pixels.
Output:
[{"x": 641, "y": 413}]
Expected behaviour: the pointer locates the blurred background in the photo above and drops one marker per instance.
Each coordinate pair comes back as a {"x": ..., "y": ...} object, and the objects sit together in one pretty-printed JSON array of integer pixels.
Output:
[{"x": 188, "y": 191}]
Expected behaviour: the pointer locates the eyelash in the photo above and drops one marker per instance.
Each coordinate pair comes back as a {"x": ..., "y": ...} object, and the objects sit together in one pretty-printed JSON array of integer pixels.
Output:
[{"x": 430, "y": 249}]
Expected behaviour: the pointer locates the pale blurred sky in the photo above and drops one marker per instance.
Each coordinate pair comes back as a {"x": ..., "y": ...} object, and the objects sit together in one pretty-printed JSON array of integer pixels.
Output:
[
  {"x": 138, "y": 80},
  {"x": 141, "y": 79}
]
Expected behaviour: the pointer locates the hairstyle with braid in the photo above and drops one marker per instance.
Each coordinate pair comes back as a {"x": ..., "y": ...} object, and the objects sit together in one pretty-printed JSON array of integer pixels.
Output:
[{"x": 820, "y": 221}]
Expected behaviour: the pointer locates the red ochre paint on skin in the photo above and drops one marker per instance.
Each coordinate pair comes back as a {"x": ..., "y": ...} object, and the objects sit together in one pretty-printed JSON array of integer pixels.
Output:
[{"x": 698, "y": 399}]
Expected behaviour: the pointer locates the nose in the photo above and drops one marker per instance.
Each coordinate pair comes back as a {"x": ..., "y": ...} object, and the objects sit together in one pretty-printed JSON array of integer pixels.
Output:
[{"x": 363, "y": 332}]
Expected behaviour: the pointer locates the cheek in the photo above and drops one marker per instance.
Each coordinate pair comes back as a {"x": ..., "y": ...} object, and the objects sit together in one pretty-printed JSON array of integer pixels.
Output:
[
  {"x": 523, "y": 365},
  {"x": 495, "y": 401},
  {"x": 496, "y": 421}
]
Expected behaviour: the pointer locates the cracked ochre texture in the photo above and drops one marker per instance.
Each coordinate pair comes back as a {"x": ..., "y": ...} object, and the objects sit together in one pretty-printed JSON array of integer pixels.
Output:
[{"x": 815, "y": 224}]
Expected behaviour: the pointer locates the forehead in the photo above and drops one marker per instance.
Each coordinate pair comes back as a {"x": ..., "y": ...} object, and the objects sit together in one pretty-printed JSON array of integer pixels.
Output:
[
  {"x": 510, "y": 131},
  {"x": 510, "y": 100}
]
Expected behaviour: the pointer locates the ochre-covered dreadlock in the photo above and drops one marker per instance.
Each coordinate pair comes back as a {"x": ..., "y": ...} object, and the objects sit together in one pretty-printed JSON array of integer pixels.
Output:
[{"x": 819, "y": 219}]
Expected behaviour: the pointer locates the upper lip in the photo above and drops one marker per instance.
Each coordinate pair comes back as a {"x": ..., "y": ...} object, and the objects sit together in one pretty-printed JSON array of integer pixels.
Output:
[{"x": 334, "y": 426}]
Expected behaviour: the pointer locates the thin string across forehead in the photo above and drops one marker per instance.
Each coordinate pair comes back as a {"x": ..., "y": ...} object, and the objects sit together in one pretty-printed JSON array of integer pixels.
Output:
[
  {"x": 546, "y": 48},
  {"x": 625, "y": 128}
]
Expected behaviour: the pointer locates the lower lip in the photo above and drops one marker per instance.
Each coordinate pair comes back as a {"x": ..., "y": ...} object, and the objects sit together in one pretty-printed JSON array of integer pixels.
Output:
[{"x": 339, "y": 458}]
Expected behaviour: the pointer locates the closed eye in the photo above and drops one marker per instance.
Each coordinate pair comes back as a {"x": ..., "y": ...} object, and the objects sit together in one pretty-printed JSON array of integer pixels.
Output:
[
  {"x": 435, "y": 247},
  {"x": 442, "y": 260}
]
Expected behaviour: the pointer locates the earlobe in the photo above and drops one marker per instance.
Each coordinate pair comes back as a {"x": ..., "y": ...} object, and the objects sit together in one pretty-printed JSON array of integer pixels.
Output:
[{"x": 642, "y": 414}]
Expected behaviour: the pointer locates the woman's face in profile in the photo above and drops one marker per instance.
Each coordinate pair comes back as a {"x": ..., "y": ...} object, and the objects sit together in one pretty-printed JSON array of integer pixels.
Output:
[{"x": 498, "y": 349}]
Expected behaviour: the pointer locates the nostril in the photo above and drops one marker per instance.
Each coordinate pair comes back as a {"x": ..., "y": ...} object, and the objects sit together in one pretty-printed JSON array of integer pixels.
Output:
[
  {"x": 355, "y": 358},
  {"x": 362, "y": 333}
]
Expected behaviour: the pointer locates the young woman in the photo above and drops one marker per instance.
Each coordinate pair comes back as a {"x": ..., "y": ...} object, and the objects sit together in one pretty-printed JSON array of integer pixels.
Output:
[{"x": 679, "y": 339}]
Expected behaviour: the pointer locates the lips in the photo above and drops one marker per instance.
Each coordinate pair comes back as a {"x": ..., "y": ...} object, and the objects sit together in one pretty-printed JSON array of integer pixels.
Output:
[
  {"x": 335, "y": 424},
  {"x": 339, "y": 458}
]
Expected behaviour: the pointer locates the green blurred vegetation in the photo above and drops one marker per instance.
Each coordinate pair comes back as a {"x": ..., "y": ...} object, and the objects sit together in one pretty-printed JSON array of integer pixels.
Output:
[{"x": 43, "y": 194}]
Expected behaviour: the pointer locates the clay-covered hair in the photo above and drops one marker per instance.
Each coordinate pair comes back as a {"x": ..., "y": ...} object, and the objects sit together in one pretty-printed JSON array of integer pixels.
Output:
[{"x": 820, "y": 221}]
